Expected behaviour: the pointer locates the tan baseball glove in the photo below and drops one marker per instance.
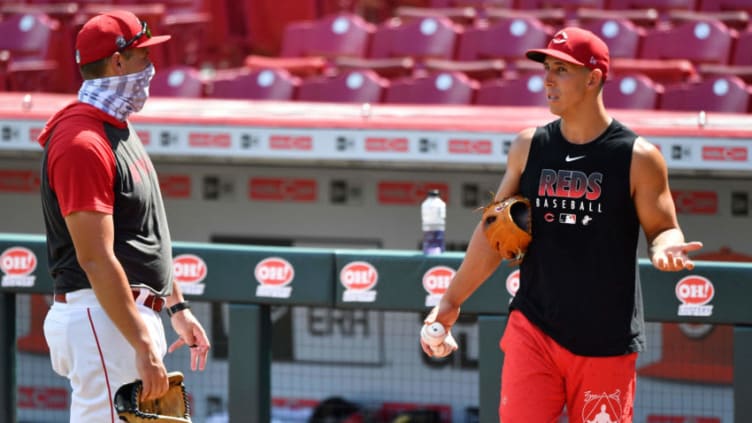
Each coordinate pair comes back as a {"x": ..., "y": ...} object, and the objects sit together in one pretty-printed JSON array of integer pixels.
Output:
[
  {"x": 507, "y": 226},
  {"x": 171, "y": 407}
]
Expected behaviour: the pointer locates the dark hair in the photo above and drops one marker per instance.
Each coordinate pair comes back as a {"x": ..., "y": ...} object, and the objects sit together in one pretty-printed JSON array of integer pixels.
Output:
[{"x": 97, "y": 69}]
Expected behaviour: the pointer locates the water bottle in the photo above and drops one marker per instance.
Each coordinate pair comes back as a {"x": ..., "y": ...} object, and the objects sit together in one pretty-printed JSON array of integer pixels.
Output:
[{"x": 433, "y": 219}]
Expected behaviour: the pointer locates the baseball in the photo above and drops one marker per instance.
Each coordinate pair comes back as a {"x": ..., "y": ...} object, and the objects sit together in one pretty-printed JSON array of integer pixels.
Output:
[{"x": 433, "y": 334}]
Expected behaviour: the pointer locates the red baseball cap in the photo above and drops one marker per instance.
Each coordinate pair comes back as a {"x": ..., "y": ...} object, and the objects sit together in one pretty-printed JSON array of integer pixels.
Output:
[
  {"x": 577, "y": 46},
  {"x": 103, "y": 35}
]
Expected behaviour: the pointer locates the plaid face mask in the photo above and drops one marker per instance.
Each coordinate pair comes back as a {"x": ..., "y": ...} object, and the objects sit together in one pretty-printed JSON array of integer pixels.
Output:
[{"x": 118, "y": 96}]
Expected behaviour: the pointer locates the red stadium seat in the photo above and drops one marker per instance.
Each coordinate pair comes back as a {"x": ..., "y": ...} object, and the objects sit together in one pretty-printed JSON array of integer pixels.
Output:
[
  {"x": 472, "y": 3},
  {"x": 736, "y": 19},
  {"x": 178, "y": 81},
  {"x": 259, "y": 84},
  {"x": 742, "y": 53},
  {"x": 335, "y": 35},
  {"x": 354, "y": 86},
  {"x": 554, "y": 17},
  {"x": 526, "y": 90},
  {"x": 479, "y": 70},
  {"x": 460, "y": 15},
  {"x": 703, "y": 41},
  {"x": 719, "y": 94},
  {"x": 635, "y": 91},
  {"x": 38, "y": 59},
  {"x": 643, "y": 18},
  {"x": 437, "y": 88},
  {"x": 430, "y": 37},
  {"x": 723, "y": 5},
  {"x": 660, "y": 5},
  {"x": 504, "y": 38},
  {"x": 662, "y": 71},
  {"x": 741, "y": 60},
  {"x": 622, "y": 36},
  {"x": 562, "y": 4}
]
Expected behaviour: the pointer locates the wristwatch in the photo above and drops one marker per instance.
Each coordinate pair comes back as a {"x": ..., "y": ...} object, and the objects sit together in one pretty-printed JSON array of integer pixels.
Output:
[{"x": 185, "y": 305}]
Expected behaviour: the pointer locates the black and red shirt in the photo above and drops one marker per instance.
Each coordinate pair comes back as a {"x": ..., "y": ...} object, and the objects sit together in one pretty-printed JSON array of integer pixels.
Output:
[
  {"x": 93, "y": 162},
  {"x": 579, "y": 280}
]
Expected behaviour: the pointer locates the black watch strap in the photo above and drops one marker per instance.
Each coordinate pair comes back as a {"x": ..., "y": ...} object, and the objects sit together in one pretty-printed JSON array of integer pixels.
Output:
[{"x": 185, "y": 305}]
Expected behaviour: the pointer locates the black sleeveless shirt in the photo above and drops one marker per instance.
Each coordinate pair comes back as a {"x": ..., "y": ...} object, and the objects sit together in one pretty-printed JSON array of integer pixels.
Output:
[{"x": 579, "y": 281}]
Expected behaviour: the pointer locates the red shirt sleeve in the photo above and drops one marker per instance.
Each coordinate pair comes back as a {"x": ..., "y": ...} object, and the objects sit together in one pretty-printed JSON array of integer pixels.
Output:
[{"x": 81, "y": 170}]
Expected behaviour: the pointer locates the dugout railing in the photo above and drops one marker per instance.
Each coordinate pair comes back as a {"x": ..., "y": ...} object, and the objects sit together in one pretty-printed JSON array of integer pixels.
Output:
[{"x": 251, "y": 279}]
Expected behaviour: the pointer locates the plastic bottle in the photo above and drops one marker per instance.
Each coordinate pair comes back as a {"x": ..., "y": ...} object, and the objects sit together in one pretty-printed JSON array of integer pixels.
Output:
[{"x": 433, "y": 219}]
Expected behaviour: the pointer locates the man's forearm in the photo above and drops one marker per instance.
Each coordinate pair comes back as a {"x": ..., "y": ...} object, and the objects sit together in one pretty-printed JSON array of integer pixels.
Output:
[{"x": 479, "y": 263}]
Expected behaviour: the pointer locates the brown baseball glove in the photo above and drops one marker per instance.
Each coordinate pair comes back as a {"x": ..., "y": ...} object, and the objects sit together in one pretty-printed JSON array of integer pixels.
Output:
[
  {"x": 171, "y": 407},
  {"x": 506, "y": 224}
]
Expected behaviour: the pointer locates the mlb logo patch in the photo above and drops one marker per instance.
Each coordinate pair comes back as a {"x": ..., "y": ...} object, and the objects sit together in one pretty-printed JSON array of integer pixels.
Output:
[{"x": 567, "y": 218}]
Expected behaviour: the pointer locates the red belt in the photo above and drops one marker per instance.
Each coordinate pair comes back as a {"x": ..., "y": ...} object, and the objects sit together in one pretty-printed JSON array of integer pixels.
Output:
[{"x": 151, "y": 301}]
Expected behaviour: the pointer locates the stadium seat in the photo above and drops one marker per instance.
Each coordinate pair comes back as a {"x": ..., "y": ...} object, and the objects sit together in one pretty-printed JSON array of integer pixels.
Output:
[
  {"x": 178, "y": 81},
  {"x": 719, "y": 94},
  {"x": 736, "y": 19},
  {"x": 436, "y": 88},
  {"x": 430, "y": 37},
  {"x": 354, "y": 86},
  {"x": 506, "y": 39},
  {"x": 660, "y": 5},
  {"x": 561, "y": 4},
  {"x": 642, "y": 18},
  {"x": 742, "y": 52},
  {"x": 259, "y": 84},
  {"x": 635, "y": 91},
  {"x": 723, "y": 5},
  {"x": 479, "y": 70},
  {"x": 702, "y": 41},
  {"x": 662, "y": 71},
  {"x": 525, "y": 90},
  {"x": 334, "y": 35},
  {"x": 555, "y": 17},
  {"x": 741, "y": 60},
  {"x": 459, "y": 15},
  {"x": 472, "y": 3},
  {"x": 37, "y": 59},
  {"x": 390, "y": 67},
  {"x": 740, "y": 63},
  {"x": 622, "y": 36}
]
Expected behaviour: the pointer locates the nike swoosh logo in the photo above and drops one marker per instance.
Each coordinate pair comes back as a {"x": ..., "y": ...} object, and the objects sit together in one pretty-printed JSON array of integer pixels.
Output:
[{"x": 571, "y": 159}]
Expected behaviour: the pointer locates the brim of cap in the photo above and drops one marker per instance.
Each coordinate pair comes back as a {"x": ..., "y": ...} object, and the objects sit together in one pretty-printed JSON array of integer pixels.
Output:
[
  {"x": 539, "y": 55},
  {"x": 158, "y": 39}
]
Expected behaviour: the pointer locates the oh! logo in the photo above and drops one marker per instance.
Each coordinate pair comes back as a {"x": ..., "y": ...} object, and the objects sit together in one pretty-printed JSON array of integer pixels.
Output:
[
  {"x": 359, "y": 278},
  {"x": 189, "y": 271},
  {"x": 274, "y": 274},
  {"x": 436, "y": 281},
  {"x": 18, "y": 265},
  {"x": 695, "y": 292}
]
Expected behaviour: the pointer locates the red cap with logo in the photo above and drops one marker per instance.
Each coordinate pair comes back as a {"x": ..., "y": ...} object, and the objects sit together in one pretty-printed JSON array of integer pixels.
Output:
[
  {"x": 118, "y": 30},
  {"x": 577, "y": 46}
]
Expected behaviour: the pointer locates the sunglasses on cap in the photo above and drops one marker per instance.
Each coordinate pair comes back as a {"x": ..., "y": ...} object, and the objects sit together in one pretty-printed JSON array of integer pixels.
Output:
[{"x": 122, "y": 44}]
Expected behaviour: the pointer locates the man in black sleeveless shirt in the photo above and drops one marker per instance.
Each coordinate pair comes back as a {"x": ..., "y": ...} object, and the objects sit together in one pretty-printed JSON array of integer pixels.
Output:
[
  {"x": 108, "y": 243},
  {"x": 576, "y": 323}
]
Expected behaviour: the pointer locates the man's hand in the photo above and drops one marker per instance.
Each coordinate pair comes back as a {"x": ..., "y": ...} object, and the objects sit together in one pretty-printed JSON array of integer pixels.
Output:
[
  {"x": 672, "y": 258},
  {"x": 153, "y": 374},
  {"x": 446, "y": 314},
  {"x": 192, "y": 334}
]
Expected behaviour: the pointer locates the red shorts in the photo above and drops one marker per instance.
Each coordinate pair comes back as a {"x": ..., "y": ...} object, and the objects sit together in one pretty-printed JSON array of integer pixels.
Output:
[{"x": 540, "y": 377}]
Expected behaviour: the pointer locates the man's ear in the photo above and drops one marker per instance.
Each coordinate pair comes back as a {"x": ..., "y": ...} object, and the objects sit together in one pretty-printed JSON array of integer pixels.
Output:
[
  {"x": 116, "y": 62},
  {"x": 595, "y": 78}
]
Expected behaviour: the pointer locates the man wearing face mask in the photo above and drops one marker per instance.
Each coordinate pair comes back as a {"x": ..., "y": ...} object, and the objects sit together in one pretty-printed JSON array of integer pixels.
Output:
[{"x": 108, "y": 243}]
